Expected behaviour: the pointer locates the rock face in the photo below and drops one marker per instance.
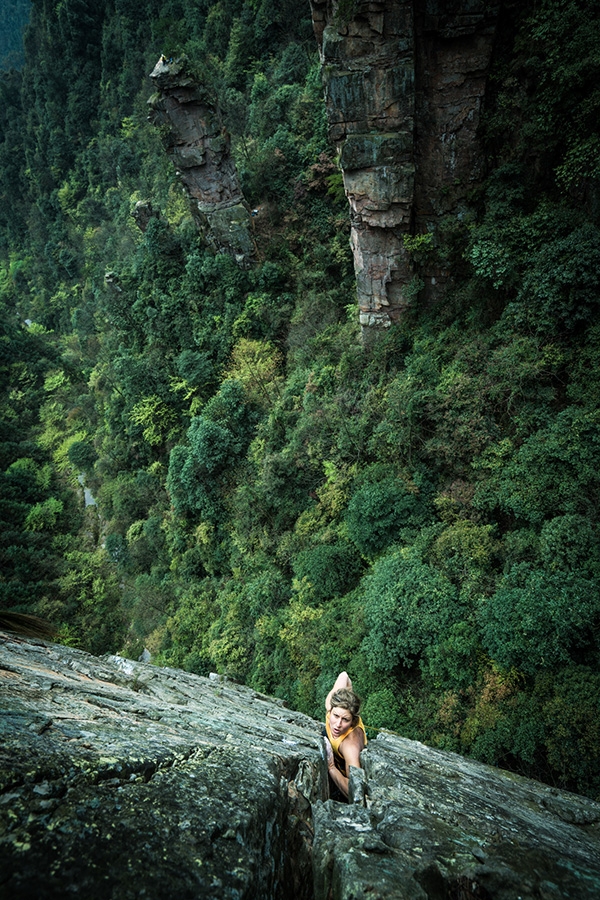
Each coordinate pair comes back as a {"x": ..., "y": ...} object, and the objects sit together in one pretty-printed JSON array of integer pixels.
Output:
[
  {"x": 143, "y": 213},
  {"x": 199, "y": 147},
  {"x": 439, "y": 826},
  {"x": 122, "y": 780},
  {"x": 404, "y": 83},
  {"x": 119, "y": 779}
]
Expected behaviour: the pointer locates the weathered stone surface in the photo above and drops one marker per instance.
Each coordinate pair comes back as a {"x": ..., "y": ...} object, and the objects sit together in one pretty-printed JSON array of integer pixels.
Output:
[
  {"x": 404, "y": 83},
  {"x": 122, "y": 780},
  {"x": 119, "y": 779},
  {"x": 143, "y": 212},
  {"x": 440, "y": 826},
  {"x": 199, "y": 147}
]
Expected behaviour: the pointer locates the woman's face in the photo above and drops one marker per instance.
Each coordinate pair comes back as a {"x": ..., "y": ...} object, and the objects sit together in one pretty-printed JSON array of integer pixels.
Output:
[{"x": 340, "y": 720}]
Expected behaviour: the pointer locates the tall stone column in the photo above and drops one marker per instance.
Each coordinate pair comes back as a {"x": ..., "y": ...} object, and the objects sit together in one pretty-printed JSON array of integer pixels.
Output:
[
  {"x": 368, "y": 74},
  {"x": 403, "y": 83},
  {"x": 199, "y": 147}
]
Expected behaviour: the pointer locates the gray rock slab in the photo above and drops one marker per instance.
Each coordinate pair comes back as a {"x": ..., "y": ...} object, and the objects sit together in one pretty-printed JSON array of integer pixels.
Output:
[
  {"x": 437, "y": 825},
  {"x": 119, "y": 779}
]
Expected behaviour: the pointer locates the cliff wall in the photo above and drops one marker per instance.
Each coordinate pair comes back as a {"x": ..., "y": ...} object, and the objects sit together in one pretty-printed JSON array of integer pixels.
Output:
[
  {"x": 199, "y": 147},
  {"x": 120, "y": 780},
  {"x": 404, "y": 84}
]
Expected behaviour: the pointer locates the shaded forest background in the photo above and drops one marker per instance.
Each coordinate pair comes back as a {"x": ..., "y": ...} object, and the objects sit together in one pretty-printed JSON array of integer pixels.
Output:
[{"x": 274, "y": 501}]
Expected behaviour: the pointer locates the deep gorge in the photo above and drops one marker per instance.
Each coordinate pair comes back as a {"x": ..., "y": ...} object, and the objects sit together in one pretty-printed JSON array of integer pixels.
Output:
[{"x": 339, "y": 412}]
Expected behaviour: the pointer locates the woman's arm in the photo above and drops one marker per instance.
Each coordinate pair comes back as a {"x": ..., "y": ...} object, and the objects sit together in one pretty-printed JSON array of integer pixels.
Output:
[
  {"x": 350, "y": 749},
  {"x": 342, "y": 681}
]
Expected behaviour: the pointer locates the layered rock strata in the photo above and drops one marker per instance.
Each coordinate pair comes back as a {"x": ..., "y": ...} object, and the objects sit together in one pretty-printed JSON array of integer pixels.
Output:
[
  {"x": 123, "y": 780},
  {"x": 404, "y": 84},
  {"x": 199, "y": 146}
]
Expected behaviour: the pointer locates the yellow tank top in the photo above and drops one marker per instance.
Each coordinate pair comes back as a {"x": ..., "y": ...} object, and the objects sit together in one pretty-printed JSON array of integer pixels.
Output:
[{"x": 335, "y": 742}]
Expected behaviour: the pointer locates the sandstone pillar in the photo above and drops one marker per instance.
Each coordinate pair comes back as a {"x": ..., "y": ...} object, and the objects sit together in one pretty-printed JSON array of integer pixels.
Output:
[
  {"x": 404, "y": 82},
  {"x": 199, "y": 147}
]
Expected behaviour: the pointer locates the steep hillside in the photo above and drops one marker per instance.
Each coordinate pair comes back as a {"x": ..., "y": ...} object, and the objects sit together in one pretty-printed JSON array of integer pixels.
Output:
[{"x": 277, "y": 499}]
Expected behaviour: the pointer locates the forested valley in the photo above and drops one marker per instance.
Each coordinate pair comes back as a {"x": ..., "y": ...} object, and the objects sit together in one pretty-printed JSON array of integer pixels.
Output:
[{"x": 274, "y": 500}]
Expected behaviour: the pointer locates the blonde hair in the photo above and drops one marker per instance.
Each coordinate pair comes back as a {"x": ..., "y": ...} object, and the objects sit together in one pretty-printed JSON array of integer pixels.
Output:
[{"x": 346, "y": 699}]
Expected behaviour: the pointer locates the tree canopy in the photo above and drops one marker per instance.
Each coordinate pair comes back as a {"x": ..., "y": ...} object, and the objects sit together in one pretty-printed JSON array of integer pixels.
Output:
[{"x": 273, "y": 500}]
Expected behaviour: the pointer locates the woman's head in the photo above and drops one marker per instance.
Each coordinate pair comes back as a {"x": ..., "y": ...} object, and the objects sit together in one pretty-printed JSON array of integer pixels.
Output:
[{"x": 345, "y": 699}]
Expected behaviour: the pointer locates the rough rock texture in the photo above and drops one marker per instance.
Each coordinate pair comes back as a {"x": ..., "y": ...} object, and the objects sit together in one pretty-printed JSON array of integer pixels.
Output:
[
  {"x": 143, "y": 213},
  {"x": 404, "y": 83},
  {"x": 440, "y": 827},
  {"x": 120, "y": 779},
  {"x": 199, "y": 147}
]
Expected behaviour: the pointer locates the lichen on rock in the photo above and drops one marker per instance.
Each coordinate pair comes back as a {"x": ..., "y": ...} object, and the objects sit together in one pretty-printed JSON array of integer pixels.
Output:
[{"x": 119, "y": 779}]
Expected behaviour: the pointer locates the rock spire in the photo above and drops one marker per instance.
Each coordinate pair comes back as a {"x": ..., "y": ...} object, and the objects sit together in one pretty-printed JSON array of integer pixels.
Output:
[
  {"x": 404, "y": 84},
  {"x": 199, "y": 147}
]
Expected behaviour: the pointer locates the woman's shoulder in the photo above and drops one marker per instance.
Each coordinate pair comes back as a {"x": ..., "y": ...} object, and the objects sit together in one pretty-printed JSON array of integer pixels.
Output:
[{"x": 355, "y": 738}]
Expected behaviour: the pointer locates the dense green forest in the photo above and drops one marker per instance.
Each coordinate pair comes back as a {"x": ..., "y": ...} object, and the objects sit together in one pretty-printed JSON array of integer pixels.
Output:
[{"x": 275, "y": 501}]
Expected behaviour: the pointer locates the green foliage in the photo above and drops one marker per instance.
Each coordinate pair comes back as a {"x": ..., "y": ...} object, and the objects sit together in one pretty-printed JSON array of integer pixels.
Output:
[
  {"x": 278, "y": 502},
  {"x": 554, "y": 472},
  {"x": 381, "y": 710},
  {"x": 465, "y": 552},
  {"x": 380, "y": 509},
  {"x": 454, "y": 662},
  {"x": 561, "y": 286},
  {"x": 572, "y": 723},
  {"x": 408, "y": 608},
  {"x": 82, "y": 456},
  {"x": 217, "y": 440},
  {"x": 538, "y": 619},
  {"x": 326, "y": 570},
  {"x": 570, "y": 543}
]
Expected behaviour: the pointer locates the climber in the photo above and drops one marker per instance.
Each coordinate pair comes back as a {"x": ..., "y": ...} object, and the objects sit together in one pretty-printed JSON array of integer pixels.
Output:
[{"x": 346, "y": 735}]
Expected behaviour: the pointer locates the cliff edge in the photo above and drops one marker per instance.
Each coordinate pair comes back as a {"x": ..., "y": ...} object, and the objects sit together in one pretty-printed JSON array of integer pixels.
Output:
[{"x": 120, "y": 779}]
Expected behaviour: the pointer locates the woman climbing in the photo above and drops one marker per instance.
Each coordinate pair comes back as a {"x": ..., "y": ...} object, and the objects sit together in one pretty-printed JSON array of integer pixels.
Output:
[{"x": 346, "y": 735}]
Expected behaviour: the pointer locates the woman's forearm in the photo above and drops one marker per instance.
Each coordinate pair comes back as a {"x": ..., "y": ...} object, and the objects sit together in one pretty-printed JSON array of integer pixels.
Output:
[
  {"x": 342, "y": 681},
  {"x": 340, "y": 780}
]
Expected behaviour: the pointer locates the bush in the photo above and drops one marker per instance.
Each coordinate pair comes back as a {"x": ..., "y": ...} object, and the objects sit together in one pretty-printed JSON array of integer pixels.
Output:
[
  {"x": 329, "y": 570},
  {"x": 561, "y": 287},
  {"x": 382, "y": 710},
  {"x": 82, "y": 455},
  {"x": 572, "y": 719},
  {"x": 555, "y": 471},
  {"x": 409, "y": 607},
  {"x": 570, "y": 543},
  {"x": 216, "y": 439},
  {"x": 539, "y": 619},
  {"x": 379, "y": 509}
]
